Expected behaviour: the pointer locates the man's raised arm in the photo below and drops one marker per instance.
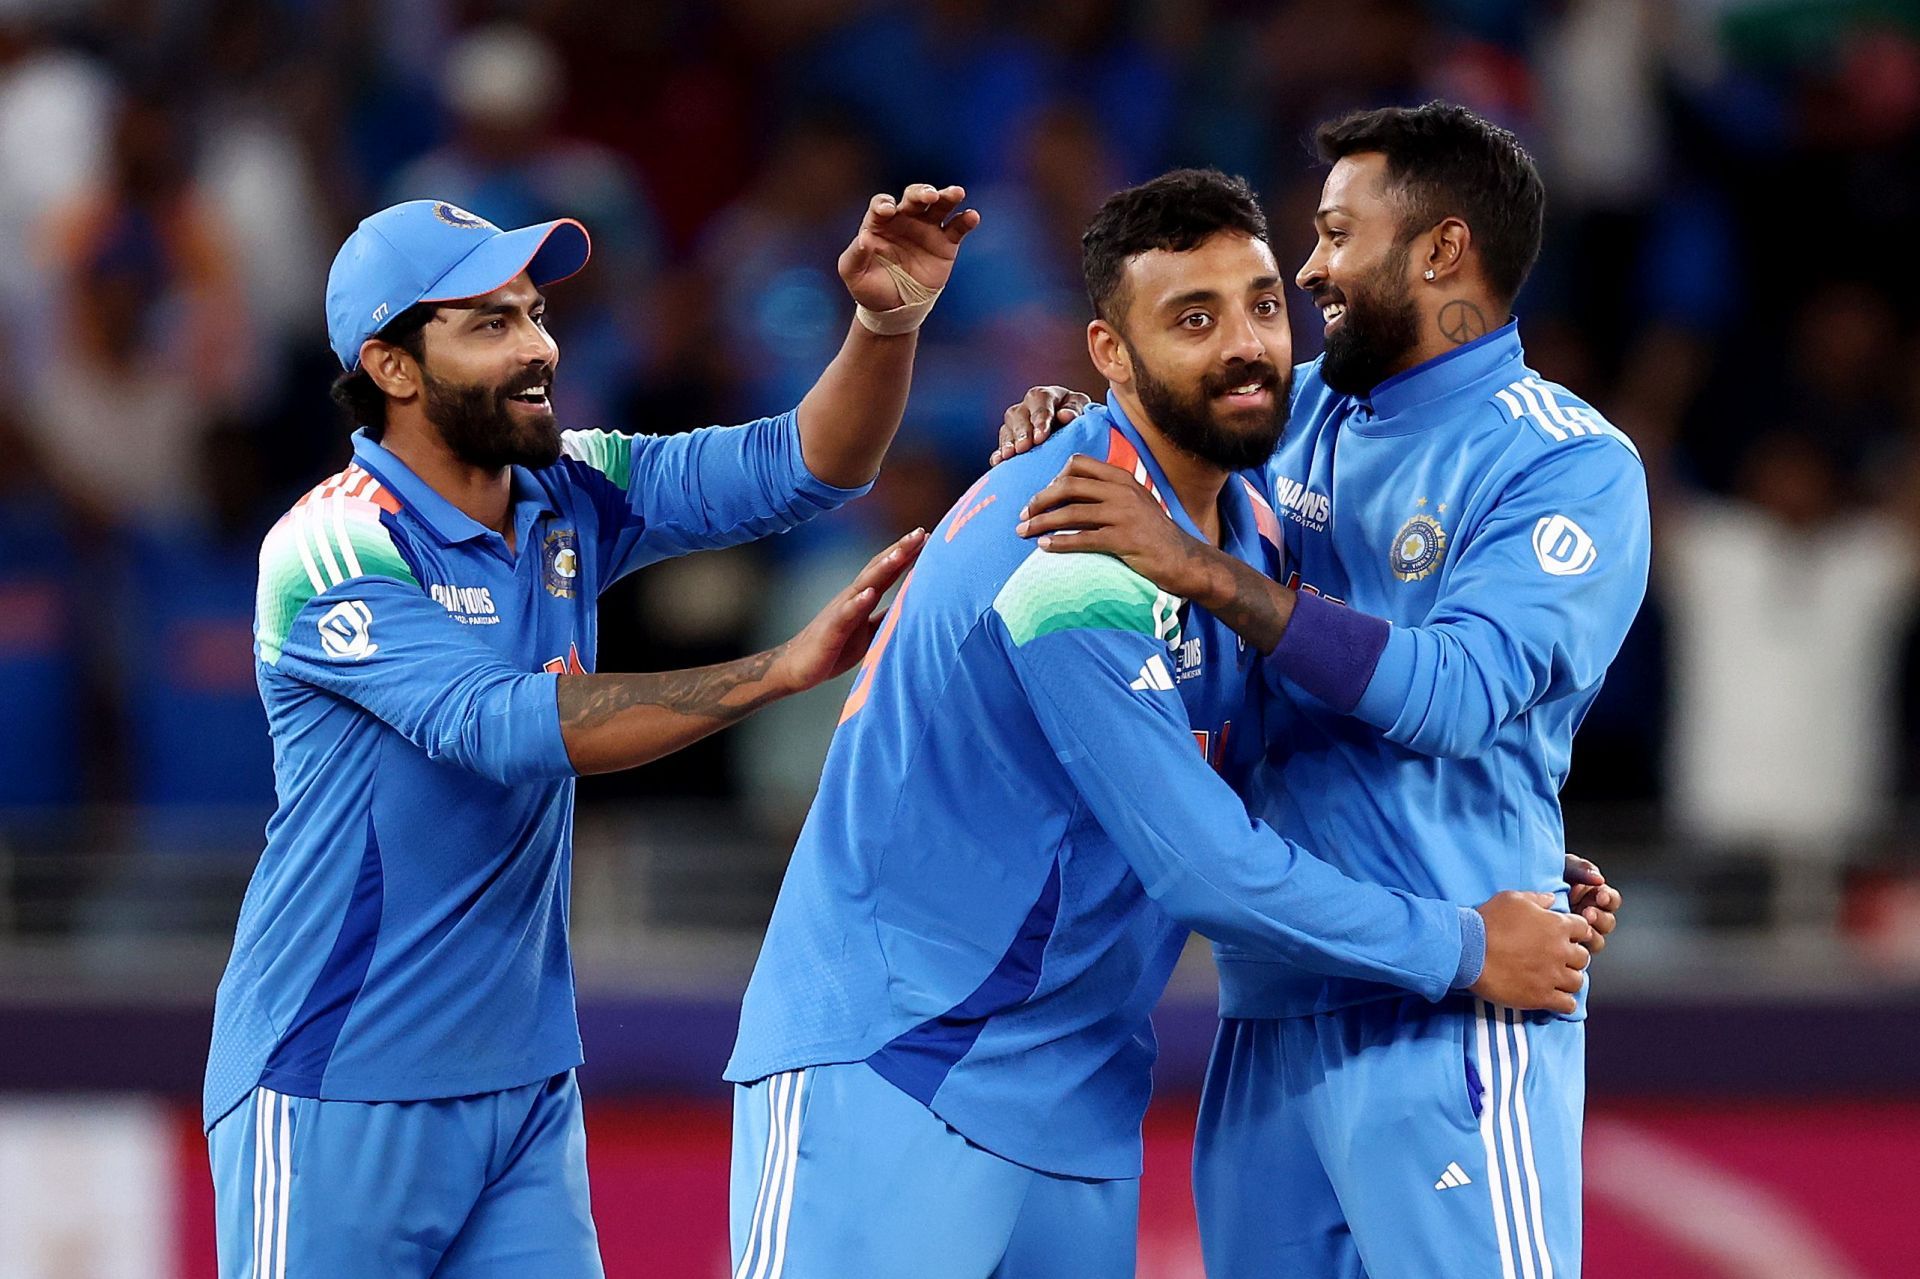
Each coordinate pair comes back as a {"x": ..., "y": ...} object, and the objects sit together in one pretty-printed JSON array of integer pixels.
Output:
[
  {"x": 724, "y": 485},
  {"x": 895, "y": 268}
]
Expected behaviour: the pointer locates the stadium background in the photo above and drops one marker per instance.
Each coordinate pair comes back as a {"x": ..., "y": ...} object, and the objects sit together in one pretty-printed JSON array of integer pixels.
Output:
[{"x": 1729, "y": 273}]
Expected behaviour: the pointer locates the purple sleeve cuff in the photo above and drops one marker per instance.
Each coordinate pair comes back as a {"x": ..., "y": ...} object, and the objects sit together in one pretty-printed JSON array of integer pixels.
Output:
[
  {"x": 1473, "y": 948},
  {"x": 1330, "y": 650}
]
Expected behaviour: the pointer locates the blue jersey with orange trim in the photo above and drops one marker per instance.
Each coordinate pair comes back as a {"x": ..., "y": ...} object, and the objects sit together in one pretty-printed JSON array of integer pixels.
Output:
[
  {"x": 1015, "y": 830},
  {"x": 1500, "y": 524},
  {"x": 404, "y": 936}
]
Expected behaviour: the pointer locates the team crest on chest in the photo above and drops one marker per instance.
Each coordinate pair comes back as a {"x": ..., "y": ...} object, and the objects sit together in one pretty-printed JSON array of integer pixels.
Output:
[
  {"x": 1418, "y": 546},
  {"x": 560, "y": 563}
]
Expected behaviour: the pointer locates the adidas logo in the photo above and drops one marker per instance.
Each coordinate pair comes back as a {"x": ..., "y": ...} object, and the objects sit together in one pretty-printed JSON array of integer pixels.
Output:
[
  {"x": 1455, "y": 1175},
  {"x": 1154, "y": 676}
]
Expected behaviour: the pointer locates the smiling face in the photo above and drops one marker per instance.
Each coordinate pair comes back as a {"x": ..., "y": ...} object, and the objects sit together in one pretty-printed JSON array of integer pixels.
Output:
[
  {"x": 487, "y": 375},
  {"x": 1361, "y": 277},
  {"x": 1209, "y": 353}
]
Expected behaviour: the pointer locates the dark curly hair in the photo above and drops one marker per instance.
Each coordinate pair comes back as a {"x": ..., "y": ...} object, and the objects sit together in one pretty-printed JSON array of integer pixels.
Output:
[
  {"x": 358, "y": 394},
  {"x": 1445, "y": 161},
  {"x": 1177, "y": 211}
]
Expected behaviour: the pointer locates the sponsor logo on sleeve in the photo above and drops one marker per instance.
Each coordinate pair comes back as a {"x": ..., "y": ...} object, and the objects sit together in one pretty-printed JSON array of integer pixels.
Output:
[
  {"x": 1563, "y": 547},
  {"x": 1154, "y": 677},
  {"x": 346, "y": 632}
]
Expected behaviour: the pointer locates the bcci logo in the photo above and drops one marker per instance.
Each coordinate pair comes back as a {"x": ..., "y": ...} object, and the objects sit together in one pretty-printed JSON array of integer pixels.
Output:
[
  {"x": 1417, "y": 548},
  {"x": 560, "y": 557},
  {"x": 454, "y": 215}
]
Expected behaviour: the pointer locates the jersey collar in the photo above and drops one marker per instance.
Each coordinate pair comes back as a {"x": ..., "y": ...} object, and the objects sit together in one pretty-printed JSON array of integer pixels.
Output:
[
  {"x": 1443, "y": 375},
  {"x": 442, "y": 518},
  {"x": 1238, "y": 528}
]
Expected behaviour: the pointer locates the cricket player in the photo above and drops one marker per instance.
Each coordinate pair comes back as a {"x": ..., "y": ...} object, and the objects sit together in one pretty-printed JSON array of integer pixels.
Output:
[
  {"x": 1467, "y": 544},
  {"x": 390, "y": 1090},
  {"x": 944, "y": 1051}
]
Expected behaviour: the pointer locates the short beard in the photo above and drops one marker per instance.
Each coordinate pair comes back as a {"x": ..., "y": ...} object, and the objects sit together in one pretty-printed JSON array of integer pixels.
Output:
[
  {"x": 480, "y": 429},
  {"x": 1193, "y": 424},
  {"x": 1381, "y": 326}
]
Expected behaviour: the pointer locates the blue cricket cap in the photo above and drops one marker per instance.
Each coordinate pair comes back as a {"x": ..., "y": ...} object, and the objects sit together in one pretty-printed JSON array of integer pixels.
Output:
[{"x": 432, "y": 251}]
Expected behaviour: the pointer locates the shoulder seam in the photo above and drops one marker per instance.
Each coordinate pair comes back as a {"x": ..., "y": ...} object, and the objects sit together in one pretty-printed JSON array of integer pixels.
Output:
[
  {"x": 1531, "y": 401},
  {"x": 354, "y": 483},
  {"x": 1050, "y": 610},
  {"x": 318, "y": 526},
  {"x": 586, "y": 447}
]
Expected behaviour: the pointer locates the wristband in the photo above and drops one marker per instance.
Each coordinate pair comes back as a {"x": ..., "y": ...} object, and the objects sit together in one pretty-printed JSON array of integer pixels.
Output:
[{"x": 1330, "y": 650}]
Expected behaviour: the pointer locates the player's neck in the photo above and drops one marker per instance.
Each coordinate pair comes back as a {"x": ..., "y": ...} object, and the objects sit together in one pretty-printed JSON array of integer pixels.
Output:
[
  {"x": 483, "y": 496},
  {"x": 1449, "y": 324},
  {"x": 1196, "y": 482}
]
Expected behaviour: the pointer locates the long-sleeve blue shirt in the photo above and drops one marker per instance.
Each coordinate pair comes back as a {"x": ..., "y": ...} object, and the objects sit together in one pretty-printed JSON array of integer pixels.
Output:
[
  {"x": 1026, "y": 806},
  {"x": 405, "y": 932},
  {"x": 1487, "y": 532}
]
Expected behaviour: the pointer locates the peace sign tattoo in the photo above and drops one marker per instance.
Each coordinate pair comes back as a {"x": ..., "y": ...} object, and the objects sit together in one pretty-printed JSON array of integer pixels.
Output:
[{"x": 1462, "y": 322}]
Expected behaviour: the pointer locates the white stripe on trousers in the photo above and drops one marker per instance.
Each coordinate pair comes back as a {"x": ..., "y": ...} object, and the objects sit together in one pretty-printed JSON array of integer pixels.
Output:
[
  {"x": 1526, "y": 1142},
  {"x": 272, "y": 1181},
  {"x": 259, "y": 1178},
  {"x": 1506, "y": 1133},
  {"x": 765, "y": 1253}
]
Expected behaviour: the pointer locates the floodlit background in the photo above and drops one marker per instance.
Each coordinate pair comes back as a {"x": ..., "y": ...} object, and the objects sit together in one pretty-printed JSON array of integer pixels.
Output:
[{"x": 1730, "y": 274}]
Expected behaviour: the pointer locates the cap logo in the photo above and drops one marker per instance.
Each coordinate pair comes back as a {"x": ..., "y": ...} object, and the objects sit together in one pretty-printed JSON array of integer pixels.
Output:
[
  {"x": 454, "y": 215},
  {"x": 380, "y": 313}
]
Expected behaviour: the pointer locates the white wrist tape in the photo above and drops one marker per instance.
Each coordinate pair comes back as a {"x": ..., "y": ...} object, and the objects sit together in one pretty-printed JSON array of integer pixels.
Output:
[{"x": 916, "y": 301}]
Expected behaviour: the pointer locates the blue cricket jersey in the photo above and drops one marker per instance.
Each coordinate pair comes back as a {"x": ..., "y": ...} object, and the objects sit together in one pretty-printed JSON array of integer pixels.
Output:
[
  {"x": 1499, "y": 524},
  {"x": 1019, "y": 819},
  {"x": 405, "y": 932}
]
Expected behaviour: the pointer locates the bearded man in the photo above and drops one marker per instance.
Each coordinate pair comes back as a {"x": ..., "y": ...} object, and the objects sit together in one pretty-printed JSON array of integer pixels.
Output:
[{"x": 391, "y": 1089}]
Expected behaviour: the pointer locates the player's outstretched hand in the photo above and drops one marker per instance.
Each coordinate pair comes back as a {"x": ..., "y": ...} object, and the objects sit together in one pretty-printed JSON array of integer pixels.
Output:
[
  {"x": 1591, "y": 897},
  {"x": 1032, "y": 420},
  {"x": 1095, "y": 506},
  {"x": 838, "y": 635},
  {"x": 918, "y": 231},
  {"x": 1535, "y": 954}
]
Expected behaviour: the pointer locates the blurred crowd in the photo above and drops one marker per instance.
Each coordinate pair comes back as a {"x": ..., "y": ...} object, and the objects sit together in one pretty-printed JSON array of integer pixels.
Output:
[{"x": 1729, "y": 273}]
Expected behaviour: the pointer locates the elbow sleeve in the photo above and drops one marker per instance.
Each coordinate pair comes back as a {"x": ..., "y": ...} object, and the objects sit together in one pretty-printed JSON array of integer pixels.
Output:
[
  {"x": 504, "y": 727},
  {"x": 1429, "y": 695}
]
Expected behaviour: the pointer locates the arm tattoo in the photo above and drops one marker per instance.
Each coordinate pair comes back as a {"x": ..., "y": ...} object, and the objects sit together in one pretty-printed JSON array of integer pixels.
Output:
[
  {"x": 1254, "y": 605},
  {"x": 588, "y": 701},
  {"x": 1462, "y": 322}
]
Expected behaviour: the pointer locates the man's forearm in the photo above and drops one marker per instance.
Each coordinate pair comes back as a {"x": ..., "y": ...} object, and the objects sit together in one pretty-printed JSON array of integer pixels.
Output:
[
  {"x": 848, "y": 419},
  {"x": 1253, "y": 604},
  {"x": 610, "y": 722}
]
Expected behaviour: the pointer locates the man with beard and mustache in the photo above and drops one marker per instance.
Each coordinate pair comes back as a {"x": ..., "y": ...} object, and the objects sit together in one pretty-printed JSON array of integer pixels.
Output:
[
  {"x": 944, "y": 1052},
  {"x": 390, "y": 1089},
  {"x": 1467, "y": 544}
]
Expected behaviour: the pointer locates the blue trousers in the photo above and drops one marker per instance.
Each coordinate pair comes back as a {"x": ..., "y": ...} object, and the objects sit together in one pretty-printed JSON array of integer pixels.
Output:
[
  {"x": 1393, "y": 1140},
  {"x": 838, "y": 1173},
  {"x": 487, "y": 1187}
]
